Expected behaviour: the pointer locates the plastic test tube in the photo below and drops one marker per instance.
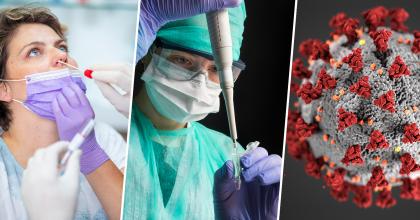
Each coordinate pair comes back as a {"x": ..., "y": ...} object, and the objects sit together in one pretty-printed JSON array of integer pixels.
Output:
[
  {"x": 237, "y": 165},
  {"x": 77, "y": 141},
  {"x": 236, "y": 160}
]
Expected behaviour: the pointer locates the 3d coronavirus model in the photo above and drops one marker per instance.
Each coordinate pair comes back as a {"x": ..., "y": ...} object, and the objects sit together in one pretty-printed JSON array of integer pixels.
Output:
[{"x": 357, "y": 119}]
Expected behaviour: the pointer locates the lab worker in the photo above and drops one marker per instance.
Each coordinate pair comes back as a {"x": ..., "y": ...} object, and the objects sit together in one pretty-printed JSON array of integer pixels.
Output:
[{"x": 177, "y": 168}]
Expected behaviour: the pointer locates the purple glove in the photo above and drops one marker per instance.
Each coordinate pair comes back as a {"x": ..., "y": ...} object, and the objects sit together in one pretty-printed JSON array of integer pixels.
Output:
[
  {"x": 258, "y": 197},
  {"x": 155, "y": 13},
  {"x": 72, "y": 111}
]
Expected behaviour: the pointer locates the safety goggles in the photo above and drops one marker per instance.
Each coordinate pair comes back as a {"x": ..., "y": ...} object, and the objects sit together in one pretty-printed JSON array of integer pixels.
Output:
[{"x": 193, "y": 62}]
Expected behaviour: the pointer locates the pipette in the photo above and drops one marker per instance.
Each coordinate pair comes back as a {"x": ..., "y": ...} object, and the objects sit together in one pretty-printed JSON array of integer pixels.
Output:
[
  {"x": 88, "y": 74},
  {"x": 77, "y": 141},
  {"x": 221, "y": 43}
]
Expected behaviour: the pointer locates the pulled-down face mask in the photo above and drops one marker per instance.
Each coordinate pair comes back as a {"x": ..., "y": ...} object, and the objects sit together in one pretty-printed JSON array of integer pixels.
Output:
[{"x": 42, "y": 88}]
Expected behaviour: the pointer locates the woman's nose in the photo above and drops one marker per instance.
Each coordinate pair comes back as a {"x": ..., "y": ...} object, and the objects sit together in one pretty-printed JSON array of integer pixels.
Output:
[{"x": 58, "y": 58}]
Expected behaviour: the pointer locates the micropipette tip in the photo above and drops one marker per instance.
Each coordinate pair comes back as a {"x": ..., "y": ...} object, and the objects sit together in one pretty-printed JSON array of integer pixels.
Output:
[{"x": 237, "y": 165}]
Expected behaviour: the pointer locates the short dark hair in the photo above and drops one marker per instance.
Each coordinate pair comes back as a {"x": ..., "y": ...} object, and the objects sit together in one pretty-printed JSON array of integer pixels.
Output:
[{"x": 10, "y": 20}]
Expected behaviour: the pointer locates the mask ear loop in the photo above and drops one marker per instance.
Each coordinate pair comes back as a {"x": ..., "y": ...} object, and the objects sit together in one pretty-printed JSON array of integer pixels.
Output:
[
  {"x": 23, "y": 104},
  {"x": 12, "y": 80},
  {"x": 18, "y": 101}
]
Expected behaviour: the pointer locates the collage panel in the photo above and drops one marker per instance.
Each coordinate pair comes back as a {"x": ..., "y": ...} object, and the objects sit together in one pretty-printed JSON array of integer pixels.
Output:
[
  {"x": 353, "y": 123},
  {"x": 63, "y": 127},
  {"x": 182, "y": 162}
]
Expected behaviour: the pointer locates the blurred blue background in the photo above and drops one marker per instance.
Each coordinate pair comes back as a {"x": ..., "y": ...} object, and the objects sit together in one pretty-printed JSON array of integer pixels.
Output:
[{"x": 99, "y": 32}]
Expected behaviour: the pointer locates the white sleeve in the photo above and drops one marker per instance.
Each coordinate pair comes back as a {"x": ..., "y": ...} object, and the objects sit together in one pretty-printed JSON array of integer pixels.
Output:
[{"x": 112, "y": 143}]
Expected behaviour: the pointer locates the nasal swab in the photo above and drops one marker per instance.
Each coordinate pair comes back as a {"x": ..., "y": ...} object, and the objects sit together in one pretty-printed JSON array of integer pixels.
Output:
[{"x": 88, "y": 74}]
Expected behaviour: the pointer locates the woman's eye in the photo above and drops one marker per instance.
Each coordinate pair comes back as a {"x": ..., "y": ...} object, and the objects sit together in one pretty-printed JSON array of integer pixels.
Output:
[
  {"x": 181, "y": 60},
  {"x": 34, "y": 52},
  {"x": 213, "y": 69},
  {"x": 63, "y": 48}
]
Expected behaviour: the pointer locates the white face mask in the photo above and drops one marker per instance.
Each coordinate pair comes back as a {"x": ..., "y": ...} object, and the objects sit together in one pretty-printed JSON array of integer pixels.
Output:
[{"x": 181, "y": 101}]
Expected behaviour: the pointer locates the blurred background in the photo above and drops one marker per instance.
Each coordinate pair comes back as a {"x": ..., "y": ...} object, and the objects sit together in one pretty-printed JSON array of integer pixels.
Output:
[{"x": 99, "y": 32}]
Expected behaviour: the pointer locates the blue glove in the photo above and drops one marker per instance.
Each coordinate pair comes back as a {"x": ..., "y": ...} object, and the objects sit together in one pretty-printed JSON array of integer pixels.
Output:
[
  {"x": 155, "y": 13},
  {"x": 258, "y": 197}
]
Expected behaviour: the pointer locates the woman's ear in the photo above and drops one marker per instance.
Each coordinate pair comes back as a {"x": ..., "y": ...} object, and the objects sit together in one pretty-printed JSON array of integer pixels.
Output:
[{"x": 5, "y": 92}]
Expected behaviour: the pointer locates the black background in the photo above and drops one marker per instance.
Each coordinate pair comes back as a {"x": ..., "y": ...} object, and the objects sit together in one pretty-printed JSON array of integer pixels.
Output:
[
  {"x": 303, "y": 197},
  {"x": 261, "y": 90}
]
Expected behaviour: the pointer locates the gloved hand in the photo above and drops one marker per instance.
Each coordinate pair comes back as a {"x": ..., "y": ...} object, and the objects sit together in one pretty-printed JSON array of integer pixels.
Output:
[
  {"x": 72, "y": 112},
  {"x": 155, "y": 13},
  {"x": 45, "y": 193},
  {"x": 119, "y": 75},
  {"x": 258, "y": 197}
]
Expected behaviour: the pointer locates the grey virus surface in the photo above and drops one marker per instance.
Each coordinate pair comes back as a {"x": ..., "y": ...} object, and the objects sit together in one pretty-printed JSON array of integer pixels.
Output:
[{"x": 407, "y": 96}]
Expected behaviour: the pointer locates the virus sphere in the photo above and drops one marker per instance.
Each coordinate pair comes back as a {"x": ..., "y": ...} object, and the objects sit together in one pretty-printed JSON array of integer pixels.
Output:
[{"x": 356, "y": 122}]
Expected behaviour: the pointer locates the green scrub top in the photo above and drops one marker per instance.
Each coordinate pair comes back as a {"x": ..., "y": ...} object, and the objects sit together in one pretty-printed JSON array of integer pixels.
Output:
[{"x": 170, "y": 174}]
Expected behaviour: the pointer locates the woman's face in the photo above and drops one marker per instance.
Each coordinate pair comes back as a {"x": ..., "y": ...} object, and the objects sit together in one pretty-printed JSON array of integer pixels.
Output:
[{"x": 32, "y": 49}]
